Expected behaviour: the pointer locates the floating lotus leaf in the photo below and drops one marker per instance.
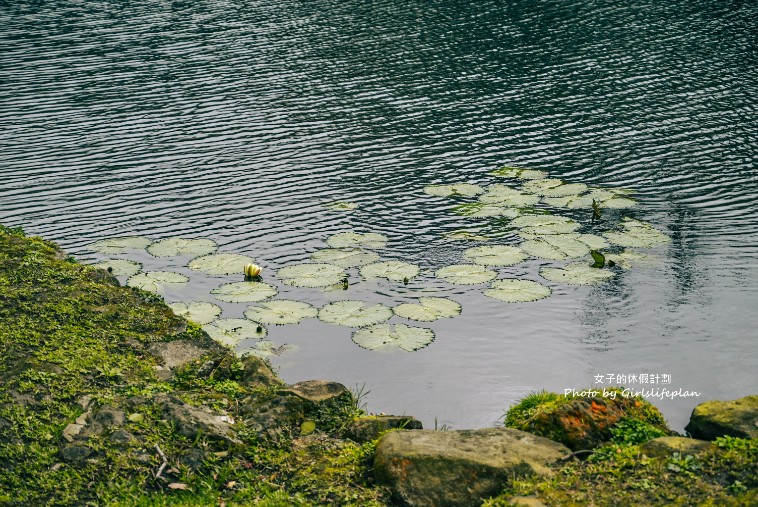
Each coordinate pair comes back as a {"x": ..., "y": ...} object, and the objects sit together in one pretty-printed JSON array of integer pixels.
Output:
[
  {"x": 200, "y": 312},
  {"x": 637, "y": 235},
  {"x": 512, "y": 290},
  {"x": 113, "y": 246},
  {"x": 244, "y": 292},
  {"x": 497, "y": 255},
  {"x": 221, "y": 264},
  {"x": 262, "y": 349},
  {"x": 389, "y": 337},
  {"x": 555, "y": 246},
  {"x": 576, "y": 273},
  {"x": 565, "y": 189},
  {"x": 513, "y": 199},
  {"x": 539, "y": 187},
  {"x": 594, "y": 241},
  {"x": 466, "y": 274},
  {"x": 311, "y": 275},
  {"x": 606, "y": 198},
  {"x": 515, "y": 172},
  {"x": 354, "y": 313},
  {"x": 340, "y": 206},
  {"x": 540, "y": 225},
  {"x": 279, "y": 312},
  {"x": 465, "y": 236},
  {"x": 482, "y": 210},
  {"x": 181, "y": 246},
  {"x": 230, "y": 332},
  {"x": 356, "y": 239},
  {"x": 428, "y": 309},
  {"x": 392, "y": 270},
  {"x": 120, "y": 267},
  {"x": 345, "y": 257},
  {"x": 628, "y": 258},
  {"x": 463, "y": 189},
  {"x": 154, "y": 281}
]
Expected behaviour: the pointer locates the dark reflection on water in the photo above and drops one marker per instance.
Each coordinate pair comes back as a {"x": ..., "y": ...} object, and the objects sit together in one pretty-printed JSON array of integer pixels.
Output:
[{"x": 238, "y": 120}]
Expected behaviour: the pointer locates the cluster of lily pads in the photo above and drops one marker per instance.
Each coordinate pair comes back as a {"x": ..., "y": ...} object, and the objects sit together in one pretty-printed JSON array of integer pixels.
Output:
[{"x": 524, "y": 208}]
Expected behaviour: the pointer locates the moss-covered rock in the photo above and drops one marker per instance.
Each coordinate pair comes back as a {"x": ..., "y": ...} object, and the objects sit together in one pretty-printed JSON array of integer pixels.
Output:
[
  {"x": 370, "y": 427},
  {"x": 736, "y": 418}
]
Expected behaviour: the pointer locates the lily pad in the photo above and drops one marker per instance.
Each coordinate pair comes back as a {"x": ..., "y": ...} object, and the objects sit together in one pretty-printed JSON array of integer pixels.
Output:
[
  {"x": 354, "y": 313},
  {"x": 153, "y": 281},
  {"x": 516, "y": 172},
  {"x": 181, "y": 246},
  {"x": 466, "y": 274},
  {"x": 637, "y": 234},
  {"x": 280, "y": 312},
  {"x": 389, "y": 337},
  {"x": 630, "y": 258},
  {"x": 545, "y": 224},
  {"x": 244, "y": 292},
  {"x": 539, "y": 187},
  {"x": 120, "y": 267},
  {"x": 512, "y": 290},
  {"x": 113, "y": 246},
  {"x": 200, "y": 312},
  {"x": 497, "y": 255},
  {"x": 396, "y": 271},
  {"x": 606, "y": 198},
  {"x": 340, "y": 206},
  {"x": 311, "y": 275},
  {"x": 345, "y": 257},
  {"x": 504, "y": 195},
  {"x": 428, "y": 309},
  {"x": 230, "y": 332},
  {"x": 483, "y": 210},
  {"x": 463, "y": 235},
  {"x": 221, "y": 264},
  {"x": 356, "y": 239},
  {"x": 262, "y": 349},
  {"x": 576, "y": 273},
  {"x": 462, "y": 189},
  {"x": 565, "y": 189},
  {"x": 555, "y": 247}
]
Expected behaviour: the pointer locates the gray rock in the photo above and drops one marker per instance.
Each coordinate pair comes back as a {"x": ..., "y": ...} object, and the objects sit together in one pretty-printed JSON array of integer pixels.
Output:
[
  {"x": 76, "y": 453},
  {"x": 193, "y": 422},
  {"x": 123, "y": 438},
  {"x": 364, "y": 429},
  {"x": 666, "y": 446},
  {"x": 177, "y": 353},
  {"x": 713, "y": 419},
  {"x": 272, "y": 418},
  {"x": 192, "y": 458},
  {"x": 71, "y": 431},
  {"x": 459, "y": 468},
  {"x": 257, "y": 372},
  {"x": 317, "y": 392},
  {"x": 110, "y": 417}
]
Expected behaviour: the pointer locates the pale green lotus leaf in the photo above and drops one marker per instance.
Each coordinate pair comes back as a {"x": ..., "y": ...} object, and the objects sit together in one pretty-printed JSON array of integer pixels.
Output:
[
  {"x": 466, "y": 274},
  {"x": 262, "y": 349},
  {"x": 181, "y": 246},
  {"x": 221, "y": 264},
  {"x": 496, "y": 255},
  {"x": 516, "y": 172},
  {"x": 385, "y": 337},
  {"x": 541, "y": 225},
  {"x": 200, "y": 312},
  {"x": 354, "y": 313},
  {"x": 154, "y": 281},
  {"x": 482, "y": 210},
  {"x": 114, "y": 246},
  {"x": 513, "y": 200},
  {"x": 637, "y": 234},
  {"x": 311, "y": 275},
  {"x": 428, "y": 309},
  {"x": 541, "y": 249},
  {"x": 395, "y": 271},
  {"x": 539, "y": 187},
  {"x": 594, "y": 241},
  {"x": 576, "y": 273},
  {"x": 565, "y": 189},
  {"x": 618, "y": 203},
  {"x": 605, "y": 198},
  {"x": 345, "y": 257},
  {"x": 120, "y": 267},
  {"x": 244, "y": 292},
  {"x": 630, "y": 258},
  {"x": 340, "y": 206},
  {"x": 280, "y": 312},
  {"x": 229, "y": 332},
  {"x": 512, "y": 290},
  {"x": 462, "y": 189},
  {"x": 555, "y": 247},
  {"x": 464, "y": 235},
  {"x": 356, "y": 239}
]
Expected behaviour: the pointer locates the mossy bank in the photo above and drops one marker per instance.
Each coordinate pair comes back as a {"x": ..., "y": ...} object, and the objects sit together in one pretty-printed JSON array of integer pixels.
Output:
[{"x": 108, "y": 398}]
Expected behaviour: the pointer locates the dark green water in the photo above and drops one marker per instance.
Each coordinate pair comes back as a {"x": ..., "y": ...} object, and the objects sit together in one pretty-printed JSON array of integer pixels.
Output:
[{"x": 238, "y": 120}]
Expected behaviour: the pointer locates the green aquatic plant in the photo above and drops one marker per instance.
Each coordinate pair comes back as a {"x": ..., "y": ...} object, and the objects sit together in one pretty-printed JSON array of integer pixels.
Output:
[
  {"x": 119, "y": 267},
  {"x": 199, "y": 312},
  {"x": 356, "y": 239},
  {"x": 555, "y": 247},
  {"x": 517, "y": 172},
  {"x": 629, "y": 258},
  {"x": 512, "y": 290},
  {"x": 354, "y": 313},
  {"x": 345, "y": 257},
  {"x": 171, "y": 247},
  {"x": 311, "y": 275},
  {"x": 576, "y": 273},
  {"x": 220, "y": 264},
  {"x": 483, "y": 210},
  {"x": 428, "y": 309},
  {"x": 115, "y": 246},
  {"x": 280, "y": 312},
  {"x": 395, "y": 271},
  {"x": 263, "y": 349},
  {"x": 386, "y": 337},
  {"x": 230, "y": 332},
  {"x": 496, "y": 255},
  {"x": 503, "y": 195},
  {"x": 154, "y": 281},
  {"x": 596, "y": 215},
  {"x": 465, "y": 274},
  {"x": 340, "y": 206},
  {"x": 611, "y": 198},
  {"x": 637, "y": 234},
  {"x": 541, "y": 225},
  {"x": 244, "y": 292},
  {"x": 599, "y": 259},
  {"x": 464, "y": 235},
  {"x": 461, "y": 189}
]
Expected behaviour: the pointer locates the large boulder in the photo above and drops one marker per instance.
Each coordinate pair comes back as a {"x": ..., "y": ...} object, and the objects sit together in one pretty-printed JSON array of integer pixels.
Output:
[
  {"x": 666, "y": 446},
  {"x": 459, "y": 468},
  {"x": 713, "y": 419},
  {"x": 366, "y": 428}
]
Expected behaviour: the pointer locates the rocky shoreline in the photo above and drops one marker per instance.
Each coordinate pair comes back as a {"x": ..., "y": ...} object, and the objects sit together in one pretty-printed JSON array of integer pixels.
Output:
[{"x": 108, "y": 398}]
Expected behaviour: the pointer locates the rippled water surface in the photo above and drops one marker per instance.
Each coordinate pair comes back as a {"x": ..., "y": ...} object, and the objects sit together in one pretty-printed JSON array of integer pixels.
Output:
[{"x": 237, "y": 121}]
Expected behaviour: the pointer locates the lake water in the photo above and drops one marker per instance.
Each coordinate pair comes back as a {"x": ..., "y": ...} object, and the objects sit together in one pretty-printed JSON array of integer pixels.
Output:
[{"x": 237, "y": 121}]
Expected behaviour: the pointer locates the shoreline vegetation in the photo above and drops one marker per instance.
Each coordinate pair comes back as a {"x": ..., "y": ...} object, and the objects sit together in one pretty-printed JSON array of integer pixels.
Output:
[{"x": 108, "y": 398}]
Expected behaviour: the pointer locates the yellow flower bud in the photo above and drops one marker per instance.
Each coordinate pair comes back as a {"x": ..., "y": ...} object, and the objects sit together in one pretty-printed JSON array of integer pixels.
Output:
[{"x": 252, "y": 270}]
